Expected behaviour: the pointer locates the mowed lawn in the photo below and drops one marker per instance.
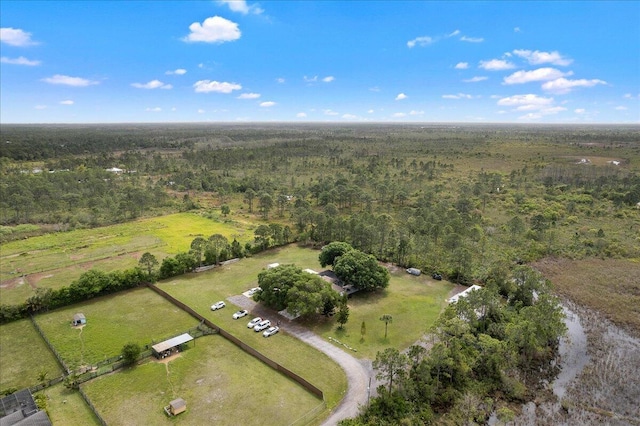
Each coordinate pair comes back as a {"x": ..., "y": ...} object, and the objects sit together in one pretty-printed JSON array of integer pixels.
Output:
[
  {"x": 55, "y": 260},
  {"x": 137, "y": 316},
  {"x": 414, "y": 304},
  {"x": 201, "y": 290},
  {"x": 66, "y": 407},
  {"x": 23, "y": 356},
  {"x": 220, "y": 383}
]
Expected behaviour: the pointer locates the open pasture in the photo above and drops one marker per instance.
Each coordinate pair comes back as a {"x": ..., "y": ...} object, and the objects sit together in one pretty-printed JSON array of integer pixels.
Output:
[
  {"x": 137, "y": 316},
  {"x": 414, "y": 303},
  {"x": 24, "y": 356},
  {"x": 220, "y": 383},
  {"x": 200, "y": 291},
  {"x": 66, "y": 407},
  {"x": 55, "y": 260}
]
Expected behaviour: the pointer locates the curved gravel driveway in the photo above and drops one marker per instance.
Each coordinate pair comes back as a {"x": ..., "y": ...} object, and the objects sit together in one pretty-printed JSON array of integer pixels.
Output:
[{"x": 358, "y": 371}]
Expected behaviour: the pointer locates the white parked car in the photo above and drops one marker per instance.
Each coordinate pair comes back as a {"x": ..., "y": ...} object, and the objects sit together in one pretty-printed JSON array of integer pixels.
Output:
[
  {"x": 218, "y": 305},
  {"x": 254, "y": 322},
  {"x": 253, "y": 291},
  {"x": 271, "y": 331},
  {"x": 240, "y": 314},
  {"x": 261, "y": 325}
]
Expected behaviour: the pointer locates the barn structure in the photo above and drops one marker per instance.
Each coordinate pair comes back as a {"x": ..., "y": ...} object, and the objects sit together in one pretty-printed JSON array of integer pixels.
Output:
[
  {"x": 171, "y": 346},
  {"x": 79, "y": 319},
  {"x": 176, "y": 407}
]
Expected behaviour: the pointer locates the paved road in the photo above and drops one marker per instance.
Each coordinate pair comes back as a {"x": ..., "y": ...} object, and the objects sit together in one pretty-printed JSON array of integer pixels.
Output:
[{"x": 358, "y": 371}]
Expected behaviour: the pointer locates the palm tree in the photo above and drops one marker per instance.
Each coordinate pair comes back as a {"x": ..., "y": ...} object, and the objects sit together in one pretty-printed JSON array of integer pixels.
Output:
[{"x": 387, "y": 319}]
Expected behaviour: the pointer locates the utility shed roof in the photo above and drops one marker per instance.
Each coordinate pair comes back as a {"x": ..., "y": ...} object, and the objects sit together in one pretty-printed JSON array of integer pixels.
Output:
[
  {"x": 173, "y": 342},
  {"x": 178, "y": 403}
]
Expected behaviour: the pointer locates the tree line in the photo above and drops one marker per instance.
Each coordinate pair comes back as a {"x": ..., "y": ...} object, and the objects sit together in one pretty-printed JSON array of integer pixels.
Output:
[{"x": 494, "y": 347}]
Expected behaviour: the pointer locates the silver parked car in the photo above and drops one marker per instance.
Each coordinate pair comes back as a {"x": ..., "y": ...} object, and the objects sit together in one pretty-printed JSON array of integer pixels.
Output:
[
  {"x": 271, "y": 331},
  {"x": 261, "y": 325},
  {"x": 254, "y": 322}
]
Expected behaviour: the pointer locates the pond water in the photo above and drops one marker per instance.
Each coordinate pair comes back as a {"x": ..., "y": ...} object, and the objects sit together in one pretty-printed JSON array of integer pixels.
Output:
[{"x": 573, "y": 353}]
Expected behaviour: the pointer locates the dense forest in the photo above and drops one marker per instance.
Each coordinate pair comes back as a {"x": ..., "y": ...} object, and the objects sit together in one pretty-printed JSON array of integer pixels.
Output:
[{"x": 454, "y": 199}]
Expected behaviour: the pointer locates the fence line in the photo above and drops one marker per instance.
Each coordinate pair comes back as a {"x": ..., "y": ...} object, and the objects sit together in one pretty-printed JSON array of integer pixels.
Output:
[
  {"x": 64, "y": 366},
  {"x": 88, "y": 401},
  {"x": 310, "y": 415},
  {"x": 248, "y": 349}
]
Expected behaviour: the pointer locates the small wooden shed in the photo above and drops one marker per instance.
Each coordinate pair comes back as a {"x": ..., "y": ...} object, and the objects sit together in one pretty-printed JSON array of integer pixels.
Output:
[
  {"x": 176, "y": 407},
  {"x": 79, "y": 319}
]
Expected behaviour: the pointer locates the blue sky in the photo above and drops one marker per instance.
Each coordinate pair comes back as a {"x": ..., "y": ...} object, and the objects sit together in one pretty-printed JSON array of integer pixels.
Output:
[{"x": 301, "y": 61}]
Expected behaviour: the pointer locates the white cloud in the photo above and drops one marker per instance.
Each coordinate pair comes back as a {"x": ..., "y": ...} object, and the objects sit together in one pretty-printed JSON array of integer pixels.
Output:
[
  {"x": 249, "y": 96},
  {"x": 399, "y": 115},
  {"x": 349, "y": 116},
  {"x": 536, "y": 106},
  {"x": 67, "y": 102},
  {"x": 201, "y": 111},
  {"x": 621, "y": 108},
  {"x": 155, "y": 109},
  {"x": 370, "y": 111},
  {"x": 374, "y": 89},
  {"x": 541, "y": 74},
  {"x": 69, "y": 81},
  {"x": 40, "y": 107},
  {"x": 16, "y": 37},
  {"x": 213, "y": 30},
  {"x": 462, "y": 65},
  {"x": 458, "y": 96},
  {"x": 562, "y": 85},
  {"x": 420, "y": 41},
  {"x": 20, "y": 61},
  {"x": 529, "y": 101},
  {"x": 537, "y": 57},
  {"x": 475, "y": 79},
  {"x": 328, "y": 79},
  {"x": 496, "y": 65},
  {"x": 579, "y": 110},
  {"x": 310, "y": 79},
  {"x": 301, "y": 115},
  {"x": 329, "y": 112},
  {"x": 516, "y": 30},
  {"x": 267, "y": 104},
  {"x": 280, "y": 80},
  {"x": 241, "y": 6},
  {"x": 630, "y": 96},
  {"x": 453, "y": 34},
  {"x": 413, "y": 112},
  {"x": 206, "y": 86},
  {"x": 401, "y": 96},
  {"x": 153, "y": 84},
  {"x": 472, "y": 39},
  {"x": 179, "y": 71}
]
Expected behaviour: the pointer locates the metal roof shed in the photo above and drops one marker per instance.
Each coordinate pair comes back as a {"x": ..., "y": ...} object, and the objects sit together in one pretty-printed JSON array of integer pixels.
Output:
[{"x": 171, "y": 343}]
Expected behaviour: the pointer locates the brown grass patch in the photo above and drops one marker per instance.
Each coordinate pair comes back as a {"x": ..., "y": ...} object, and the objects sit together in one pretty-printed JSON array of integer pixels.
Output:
[{"x": 610, "y": 286}]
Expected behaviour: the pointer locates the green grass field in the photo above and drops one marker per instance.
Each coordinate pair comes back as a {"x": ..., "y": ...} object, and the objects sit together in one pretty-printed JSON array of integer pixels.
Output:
[
  {"x": 220, "y": 383},
  {"x": 55, "y": 260},
  {"x": 23, "y": 356},
  {"x": 199, "y": 291},
  {"x": 138, "y": 316},
  {"x": 414, "y": 303},
  {"x": 66, "y": 407}
]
